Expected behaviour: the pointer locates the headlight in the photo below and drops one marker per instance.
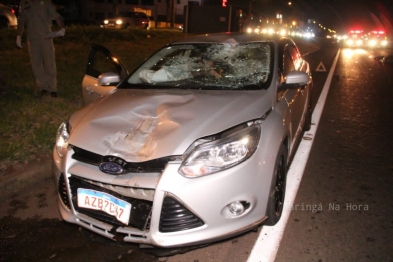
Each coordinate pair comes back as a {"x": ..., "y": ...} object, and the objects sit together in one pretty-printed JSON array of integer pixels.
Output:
[
  {"x": 119, "y": 22},
  {"x": 372, "y": 43},
  {"x": 62, "y": 137},
  {"x": 106, "y": 22},
  {"x": 221, "y": 154}
]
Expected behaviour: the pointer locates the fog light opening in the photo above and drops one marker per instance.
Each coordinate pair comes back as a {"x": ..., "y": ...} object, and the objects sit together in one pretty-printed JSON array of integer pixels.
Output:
[{"x": 238, "y": 207}]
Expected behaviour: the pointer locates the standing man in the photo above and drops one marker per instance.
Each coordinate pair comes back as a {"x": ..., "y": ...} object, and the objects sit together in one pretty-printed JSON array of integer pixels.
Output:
[{"x": 37, "y": 17}]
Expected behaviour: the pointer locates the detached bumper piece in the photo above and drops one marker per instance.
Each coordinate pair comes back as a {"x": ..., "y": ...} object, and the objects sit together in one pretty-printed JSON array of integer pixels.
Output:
[
  {"x": 174, "y": 215},
  {"x": 139, "y": 217}
]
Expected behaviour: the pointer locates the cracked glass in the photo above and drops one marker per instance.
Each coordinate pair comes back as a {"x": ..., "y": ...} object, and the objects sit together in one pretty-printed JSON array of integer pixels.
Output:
[{"x": 206, "y": 66}]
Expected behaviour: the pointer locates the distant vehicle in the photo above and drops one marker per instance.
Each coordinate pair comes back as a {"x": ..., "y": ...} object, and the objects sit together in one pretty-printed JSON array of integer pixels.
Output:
[
  {"x": 377, "y": 39},
  {"x": 7, "y": 17},
  {"x": 355, "y": 38},
  {"x": 128, "y": 19}
]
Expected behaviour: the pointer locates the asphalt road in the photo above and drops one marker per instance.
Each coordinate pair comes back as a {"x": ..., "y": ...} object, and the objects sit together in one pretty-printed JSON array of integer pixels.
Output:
[
  {"x": 342, "y": 212},
  {"x": 344, "y": 207}
]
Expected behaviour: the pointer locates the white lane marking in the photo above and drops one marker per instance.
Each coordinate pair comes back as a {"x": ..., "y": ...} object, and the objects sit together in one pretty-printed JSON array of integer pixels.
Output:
[{"x": 268, "y": 242}]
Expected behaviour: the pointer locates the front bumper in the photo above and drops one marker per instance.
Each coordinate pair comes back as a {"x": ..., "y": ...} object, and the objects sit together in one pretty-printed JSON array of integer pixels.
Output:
[
  {"x": 112, "y": 26},
  {"x": 169, "y": 210}
]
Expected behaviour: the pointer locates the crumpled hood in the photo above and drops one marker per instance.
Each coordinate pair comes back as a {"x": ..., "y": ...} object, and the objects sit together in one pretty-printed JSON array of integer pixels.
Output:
[{"x": 140, "y": 125}]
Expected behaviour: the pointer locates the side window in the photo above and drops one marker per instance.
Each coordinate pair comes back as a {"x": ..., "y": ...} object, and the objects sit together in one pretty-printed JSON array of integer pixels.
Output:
[
  {"x": 103, "y": 64},
  {"x": 288, "y": 64},
  {"x": 101, "y": 61},
  {"x": 296, "y": 57},
  {"x": 285, "y": 65}
]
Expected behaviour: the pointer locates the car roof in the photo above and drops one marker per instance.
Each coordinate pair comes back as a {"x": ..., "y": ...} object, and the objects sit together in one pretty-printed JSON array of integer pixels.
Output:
[
  {"x": 132, "y": 14},
  {"x": 229, "y": 38}
]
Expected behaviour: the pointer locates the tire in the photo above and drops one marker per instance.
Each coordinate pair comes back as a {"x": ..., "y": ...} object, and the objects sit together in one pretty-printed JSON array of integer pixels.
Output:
[
  {"x": 307, "y": 123},
  {"x": 277, "y": 192}
]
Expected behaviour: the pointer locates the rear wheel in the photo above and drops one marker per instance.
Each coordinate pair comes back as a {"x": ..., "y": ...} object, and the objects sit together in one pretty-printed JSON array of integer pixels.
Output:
[{"x": 277, "y": 192}]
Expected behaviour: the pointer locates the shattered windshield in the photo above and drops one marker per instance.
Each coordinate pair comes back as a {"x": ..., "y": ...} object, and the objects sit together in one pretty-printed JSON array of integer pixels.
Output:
[{"x": 206, "y": 66}]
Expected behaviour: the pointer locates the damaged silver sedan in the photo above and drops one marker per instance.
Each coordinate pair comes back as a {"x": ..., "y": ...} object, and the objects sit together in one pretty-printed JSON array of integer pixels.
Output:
[{"x": 192, "y": 147}]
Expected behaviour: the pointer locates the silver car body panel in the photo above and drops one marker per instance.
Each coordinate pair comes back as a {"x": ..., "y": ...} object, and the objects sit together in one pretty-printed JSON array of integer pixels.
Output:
[
  {"x": 219, "y": 222},
  {"x": 166, "y": 122},
  {"x": 140, "y": 125},
  {"x": 92, "y": 90}
]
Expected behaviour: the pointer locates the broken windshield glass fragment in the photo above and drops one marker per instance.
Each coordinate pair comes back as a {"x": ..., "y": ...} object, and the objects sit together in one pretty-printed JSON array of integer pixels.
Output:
[{"x": 229, "y": 65}]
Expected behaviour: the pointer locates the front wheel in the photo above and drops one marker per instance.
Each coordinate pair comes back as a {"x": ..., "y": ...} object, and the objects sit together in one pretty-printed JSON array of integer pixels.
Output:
[{"x": 277, "y": 193}]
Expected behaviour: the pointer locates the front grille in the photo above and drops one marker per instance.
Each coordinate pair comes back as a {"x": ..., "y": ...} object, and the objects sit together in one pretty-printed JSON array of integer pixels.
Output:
[
  {"x": 155, "y": 165},
  {"x": 62, "y": 189},
  {"x": 176, "y": 217},
  {"x": 140, "y": 211}
]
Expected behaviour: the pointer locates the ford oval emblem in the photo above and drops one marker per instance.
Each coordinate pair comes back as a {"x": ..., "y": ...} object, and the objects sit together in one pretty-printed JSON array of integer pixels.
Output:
[{"x": 111, "y": 168}]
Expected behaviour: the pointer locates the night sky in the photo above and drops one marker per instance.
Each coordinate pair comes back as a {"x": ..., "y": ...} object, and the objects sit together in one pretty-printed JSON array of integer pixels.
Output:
[
  {"x": 348, "y": 14},
  {"x": 341, "y": 15}
]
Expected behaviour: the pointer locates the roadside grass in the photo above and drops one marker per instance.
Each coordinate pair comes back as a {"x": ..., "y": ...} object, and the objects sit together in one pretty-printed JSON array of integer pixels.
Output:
[{"x": 28, "y": 122}]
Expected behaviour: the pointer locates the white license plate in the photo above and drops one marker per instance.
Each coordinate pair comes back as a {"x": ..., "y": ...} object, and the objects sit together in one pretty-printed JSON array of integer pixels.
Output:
[{"x": 111, "y": 205}]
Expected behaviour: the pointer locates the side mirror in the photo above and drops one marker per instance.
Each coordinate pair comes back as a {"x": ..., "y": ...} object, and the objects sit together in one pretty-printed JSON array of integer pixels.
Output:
[
  {"x": 108, "y": 79},
  {"x": 295, "y": 79}
]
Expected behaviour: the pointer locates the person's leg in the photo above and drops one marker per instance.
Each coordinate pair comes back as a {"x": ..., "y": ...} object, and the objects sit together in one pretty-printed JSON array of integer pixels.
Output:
[
  {"x": 48, "y": 52},
  {"x": 36, "y": 61}
]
